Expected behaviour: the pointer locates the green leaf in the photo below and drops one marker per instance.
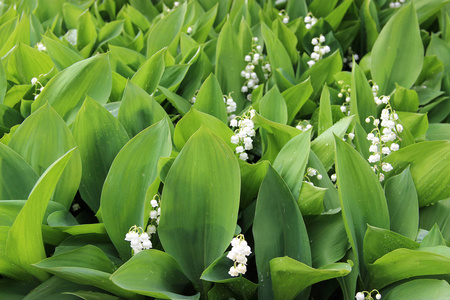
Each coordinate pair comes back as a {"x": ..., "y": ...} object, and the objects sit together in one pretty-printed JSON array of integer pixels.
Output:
[
  {"x": 41, "y": 139},
  {"x": 405, "y": 263},
  {"x": 397, "y": 54},
  {"x": 151, "y": 72},
  {"x": 25, "y": 62},
  {"x": 405, "y": 100},
  {"x": 251, "y": 177},
  {"x": 204, "y": 24},
  {"x": 138, "y": 110},
  {"x": 290, "y": 277},
  {"x": 213, "y": 204},
  {"x": 18, "y": 178},
  {"x": 329, "y": 241},
  {"x": 152, "y": 273},
  {"x": 210, "y": 99},
  {"x": 110, "y": 31},
  {"x": 420, "y": 289},
  {"x": 361, "y": 196},
  {"x": 229, "y": 64},
  {"x": 25, "y": 235},
  {"x": 439, "y": 214},
  {"x": 323, "y": 145},
  {"x": 3, "y": 85},
  {"x": 86, "y": 265},
  {"x": 369, "y": 18},
  {"x": 192, "y": 121},
  {"x": 65, "y": 222},
  {"x": 291, "y": 162},
  {"x": 295, "y": 97},
  {"x": 99, "y": 136},
  {"x": 378, "y": 242},
  {"x": 66, "y": 91},
  {"x": 164, "y": 32},
  {"x": 86, "y": 34},
  {"x": 273, "y": 107},
  {"x": 131, "y": 174},
  {"x": 427, "y": 8},
  {"x": 181, "y": 104},
  {"x": 20, "y": 34},
  {"x": 336, "y": 16},
  {"x": 437, "y": 132},
  {"x": 61, "y": 55},
  {"x": 325, "y": 118},
  {"x": 310, "y": 200},
  {"x": 278, "y": 56},
  {"x": 417, "y": 124},
  {"x": 89, "y": 295},
  {"x": 433, "y": 238},
  {"x": 401, "y": 197},
  {"x": 361, "y": 98},
  {"x": 279, "y": 221},
  {"x": 422, "y": 158}
]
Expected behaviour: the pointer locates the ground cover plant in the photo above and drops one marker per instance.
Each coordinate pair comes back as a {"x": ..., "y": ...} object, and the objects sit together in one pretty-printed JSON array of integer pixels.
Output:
[{"x": 224, "y": 149}]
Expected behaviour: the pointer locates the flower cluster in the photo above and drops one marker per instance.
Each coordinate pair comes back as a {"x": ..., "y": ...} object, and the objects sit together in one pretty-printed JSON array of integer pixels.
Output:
[
  {"x": 310, "y": 21},
  {"x": 303, "y": 125},
  {"x": 139, "y": 239},
  {"x": 284, "y": 16},
  {"x": 254, "y": 59},
  {"x": 71, "y": 36},
  {"x": 243, "y": 134},
  {"x": 154, "y": 215},
  {"x": 41, "y": 47},
  {"x": 385, "y": 139},
  {"x": 345, "y": 91},
  {"x": 396, "y": 4},
  {"x": 311, "y": 172},
  {"x": 231, "y": 105},
  {"x": 361, "y": 296},
  {"x": 238, "y": 254},
  {"x": 319, "y": 50},
  {"x": 349, "y": 58},
  {"x": 35, "y": 81}
]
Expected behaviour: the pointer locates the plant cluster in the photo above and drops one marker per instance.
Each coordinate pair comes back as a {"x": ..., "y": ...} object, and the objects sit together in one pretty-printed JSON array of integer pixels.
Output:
[{"x": 260, "y": 149}]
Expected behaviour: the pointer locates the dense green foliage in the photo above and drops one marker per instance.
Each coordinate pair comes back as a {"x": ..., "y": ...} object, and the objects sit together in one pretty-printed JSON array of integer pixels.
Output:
[{"x": 311, "y": 134}]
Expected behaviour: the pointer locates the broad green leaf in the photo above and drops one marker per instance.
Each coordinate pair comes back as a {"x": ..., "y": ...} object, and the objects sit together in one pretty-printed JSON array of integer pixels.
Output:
[
  {"x": 25, "y": 62},
  {"x": 328, "y": 239},
  {"x": 86, "y": 33},
  {"x": 15, "y": 289},
  {"x": 361, "y": 98},
  {"x": 417, "y": 124},
  {"x": 362, "y": 198},
  {"x": 405, "y": 100},
  {"x": 151, "y": 72},
  {"x": 41, "y": 139},
  {"x": 278, "y": 230},
  {"x": 278, "y": 56},
  {"x": 378, "y": 242},
  {"x": 274, "y": 137},
  {"x": 66, "y": 222},
  {"x": 291, "y": 162},
  {"x": 425, "y": 9},
  {"x": 9, "y": 209},
  {"x": 204, "y": 24},
  {"x": 61, "y": 55},
  {"x": 230, "y": 63},
  {"x": 210, "y": 99},
  {"x": 323, "y": 146},
  {"x": 290, "y": 277},
  {"x": 131, "y": 174},
  {"x": 3, "y": 85},
  {"x": 397, "y": 54},
  {"x": 369, "y": 18},
  {"x": 18, "y": 178},
  {"x": 192, "y": 121},
  {"x": 181, "y": 104},
  {"x": 405, "y": 263},
  {"x": 427, "y": 160},
  {"x": 21, "y": 34},
  {"x": 310, "y": 200},
  {"x": 213, "y": 204},
  {"x": 89, "y": 295},
  {"x": 295, "y": 97},
  {"x": 437, "y": 132},
  {"x": 86, "y": 265},
  {"x": 420, "y": 289},
  {"x": 273, "y": 106},
  {"x": 325, "y": 118},
  {"x": 100, "y": 137},
  {"x": 251, "y": 177},
  {"x": 7, "y": 268},
  {"x": 110, "y": 31},
  {"x": 165, "y": 31},
  {"x": 125, "y": 61},
  {"x": 335, "y": 17},
  {"x": 401, "y": 197},
  {"x": 25, "y": 235},
  {"x": 323, "y": 72},
  {"x": 66, "y": 91},
  {"x": 433, "y": 238},
  {"x": 138, "y": 110},
  {"x": 161, "y": 278},
  {"x": 9, "y": 117},
  {"x": 439, "y": 214},
  {"x": 287, "y": 39}
]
